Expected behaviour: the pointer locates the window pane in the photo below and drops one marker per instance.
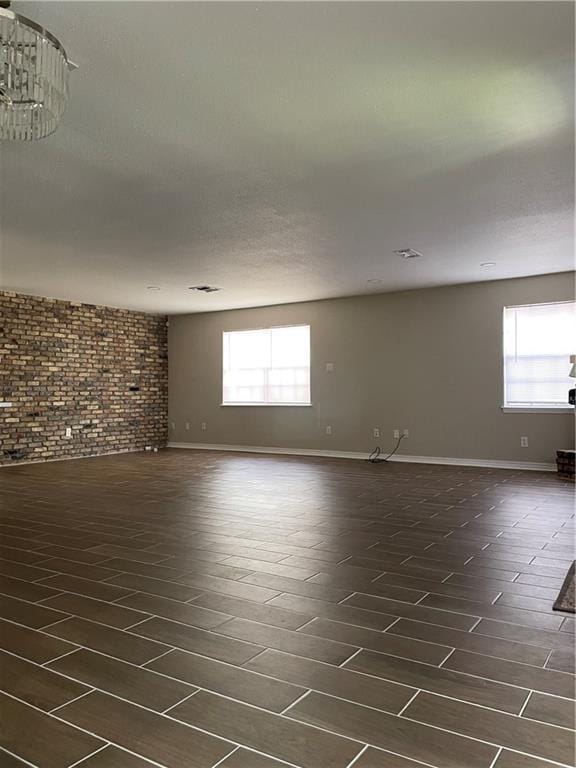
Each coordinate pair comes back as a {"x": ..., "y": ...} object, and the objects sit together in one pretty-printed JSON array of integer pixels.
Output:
[
  {"x": 538, "y": 342},
  {"x": 291, "y": 346},
  {"x": 249, "y": 349},
  {"x": 267, "y": 366}
]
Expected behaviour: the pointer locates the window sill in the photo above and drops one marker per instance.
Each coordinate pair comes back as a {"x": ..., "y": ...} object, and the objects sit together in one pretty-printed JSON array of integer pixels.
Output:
[
  {"x": 266, "y": 405},
  {"x": 537, "y": 409}
]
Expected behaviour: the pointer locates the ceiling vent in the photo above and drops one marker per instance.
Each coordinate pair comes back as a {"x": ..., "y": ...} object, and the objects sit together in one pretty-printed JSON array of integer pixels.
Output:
[
  {"x": 204, "y": 288},
  {"x": 408, "y": 253}
]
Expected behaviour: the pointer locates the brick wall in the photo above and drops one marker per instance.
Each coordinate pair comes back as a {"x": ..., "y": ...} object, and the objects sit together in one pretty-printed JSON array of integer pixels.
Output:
[{"x": 99, "y": 371}]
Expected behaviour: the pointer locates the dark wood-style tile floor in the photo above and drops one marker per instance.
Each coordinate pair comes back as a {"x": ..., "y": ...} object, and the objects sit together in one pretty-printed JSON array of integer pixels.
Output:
[{"x": 198, "y": 609}]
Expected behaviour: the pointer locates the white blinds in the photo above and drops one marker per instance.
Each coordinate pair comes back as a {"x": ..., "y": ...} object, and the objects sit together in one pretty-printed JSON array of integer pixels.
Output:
[
  {"x": 538, "y": 342},
  {"x": 267, "y": 366}
]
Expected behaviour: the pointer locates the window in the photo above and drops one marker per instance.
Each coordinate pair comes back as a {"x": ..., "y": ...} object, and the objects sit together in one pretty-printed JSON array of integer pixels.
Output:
[
  {"x": 538, "y": 342},
  {"x": 269, "y": 366}
]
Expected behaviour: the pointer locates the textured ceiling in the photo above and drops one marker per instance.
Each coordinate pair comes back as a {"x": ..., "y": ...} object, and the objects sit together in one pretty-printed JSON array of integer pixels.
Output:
[{"x": 283, "y": 151}]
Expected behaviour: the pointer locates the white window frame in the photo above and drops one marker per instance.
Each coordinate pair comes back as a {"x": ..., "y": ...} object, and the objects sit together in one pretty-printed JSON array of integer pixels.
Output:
[
  {"x": 308, "y": 404},
  {"x": 547, "y": 408}
]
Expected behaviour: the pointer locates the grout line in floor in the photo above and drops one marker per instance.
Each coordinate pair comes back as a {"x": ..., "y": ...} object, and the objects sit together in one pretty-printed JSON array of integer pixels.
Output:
[
  {"x": 447, "y": 657},
  {"x": 137, "y": 624},
  {"x": 358, "y": 756},
  {"x": 219, "y": 762},
  {"x": 149, "y": 661},
  {"x": 473, "y": 627},
  {"x": 306, "y": 623},
  {"x": 68, "y": 653},
  {"x": 55, "y": 622},
  {"x": 491, "y": 743},
  {"x": 521, "y": 713},
  {"x": 48, "y": 626},
  {"x": 496, "y": 756},
  {"x": 359, "y": 650},
  {"x": 65, "y": 704},
  {"x": 269, "y": 711},
  {"x": 296, "y": 701},
  {"x": 184, "y": 699},
  {"x": 18, "y": 757}
]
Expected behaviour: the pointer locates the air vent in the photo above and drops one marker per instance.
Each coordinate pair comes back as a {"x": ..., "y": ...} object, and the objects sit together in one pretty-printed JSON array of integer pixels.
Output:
[
  {"x": 204, "y": 288},
  {"x": 408, "y": 253}
]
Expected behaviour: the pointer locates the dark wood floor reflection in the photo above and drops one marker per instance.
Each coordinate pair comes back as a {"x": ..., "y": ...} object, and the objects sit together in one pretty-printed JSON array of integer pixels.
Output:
[{"x": 193, "y": 609}]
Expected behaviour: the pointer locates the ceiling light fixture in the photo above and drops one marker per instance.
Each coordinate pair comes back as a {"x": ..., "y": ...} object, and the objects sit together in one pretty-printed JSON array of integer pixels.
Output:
[
  {"x": 153, "y": 288},
  {"x": 34, "y": 72},
  {"x": 204, "y": 288},
  {"x": 408, "y": 253},
  {"x": 488, "y": 264}
]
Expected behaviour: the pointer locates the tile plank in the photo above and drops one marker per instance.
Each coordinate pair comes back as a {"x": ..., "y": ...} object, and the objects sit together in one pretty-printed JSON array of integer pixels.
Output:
[
  {"x": 418, "y": 612},
  {"x": 516, "y": 733},
  {"x": 113, "y": 642},
  {"x": 264, "y": 613},
  {"x": 234, "y": 682},
  {"x": 543, "y": 680},
  {"x": 395, "y": 734},
  {"x": 550, "y": 709},
  {"x": 471, "y": 641},
  {"x": 383, "y": 642},
  {"x": 291, "y": 642},
  {"x": 206, "y": 643},
  {"x": 148, "y": 734},
  {"x": 276, "y": 736},
  {"x": 133, "y": 683},
  {"x": 335, "y": 681},
  {"x": 40, "y": 739},
  {"x": 101, "y": 611},
  {"x": 36, "y": 685},
  {"x": 440, "y": 680},
  {"x": 185, "y": 613},
  {"x": 33, "y": 646}
]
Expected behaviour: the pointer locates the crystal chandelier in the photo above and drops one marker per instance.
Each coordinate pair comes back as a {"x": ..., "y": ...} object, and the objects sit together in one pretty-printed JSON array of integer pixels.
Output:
[{"x": 34, "y": 72}]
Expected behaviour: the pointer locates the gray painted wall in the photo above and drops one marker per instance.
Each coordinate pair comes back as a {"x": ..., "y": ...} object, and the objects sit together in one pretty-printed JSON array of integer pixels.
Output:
[{"x": 428, "y": 360}]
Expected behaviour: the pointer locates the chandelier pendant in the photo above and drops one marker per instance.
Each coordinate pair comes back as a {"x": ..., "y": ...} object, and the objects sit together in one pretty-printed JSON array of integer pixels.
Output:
[{"x": 34, "y": 71}]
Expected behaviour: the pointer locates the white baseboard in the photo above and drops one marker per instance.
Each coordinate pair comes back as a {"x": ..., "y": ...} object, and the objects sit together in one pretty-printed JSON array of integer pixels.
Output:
[{"x": 536, "y": 466}]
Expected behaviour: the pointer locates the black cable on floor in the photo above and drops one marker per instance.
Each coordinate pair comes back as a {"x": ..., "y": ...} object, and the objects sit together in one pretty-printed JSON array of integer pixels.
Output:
[{"x": 374, "y": 457}]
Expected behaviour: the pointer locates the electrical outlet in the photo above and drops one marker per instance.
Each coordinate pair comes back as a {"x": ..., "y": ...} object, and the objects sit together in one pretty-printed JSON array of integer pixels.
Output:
[
  {"x": 329, "y": 367},
  {"x": 523, "y": 442},
  {"x": 68, "y": 431},
  {"x": 396, "y": 434},
  {"x": 203, "y": 426},
  {"x": 376, "y": 432},
  {"x": 406, "y": 433},
  {"x": 187, "y": 425},
  {"x": 328, "y": 430}
]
